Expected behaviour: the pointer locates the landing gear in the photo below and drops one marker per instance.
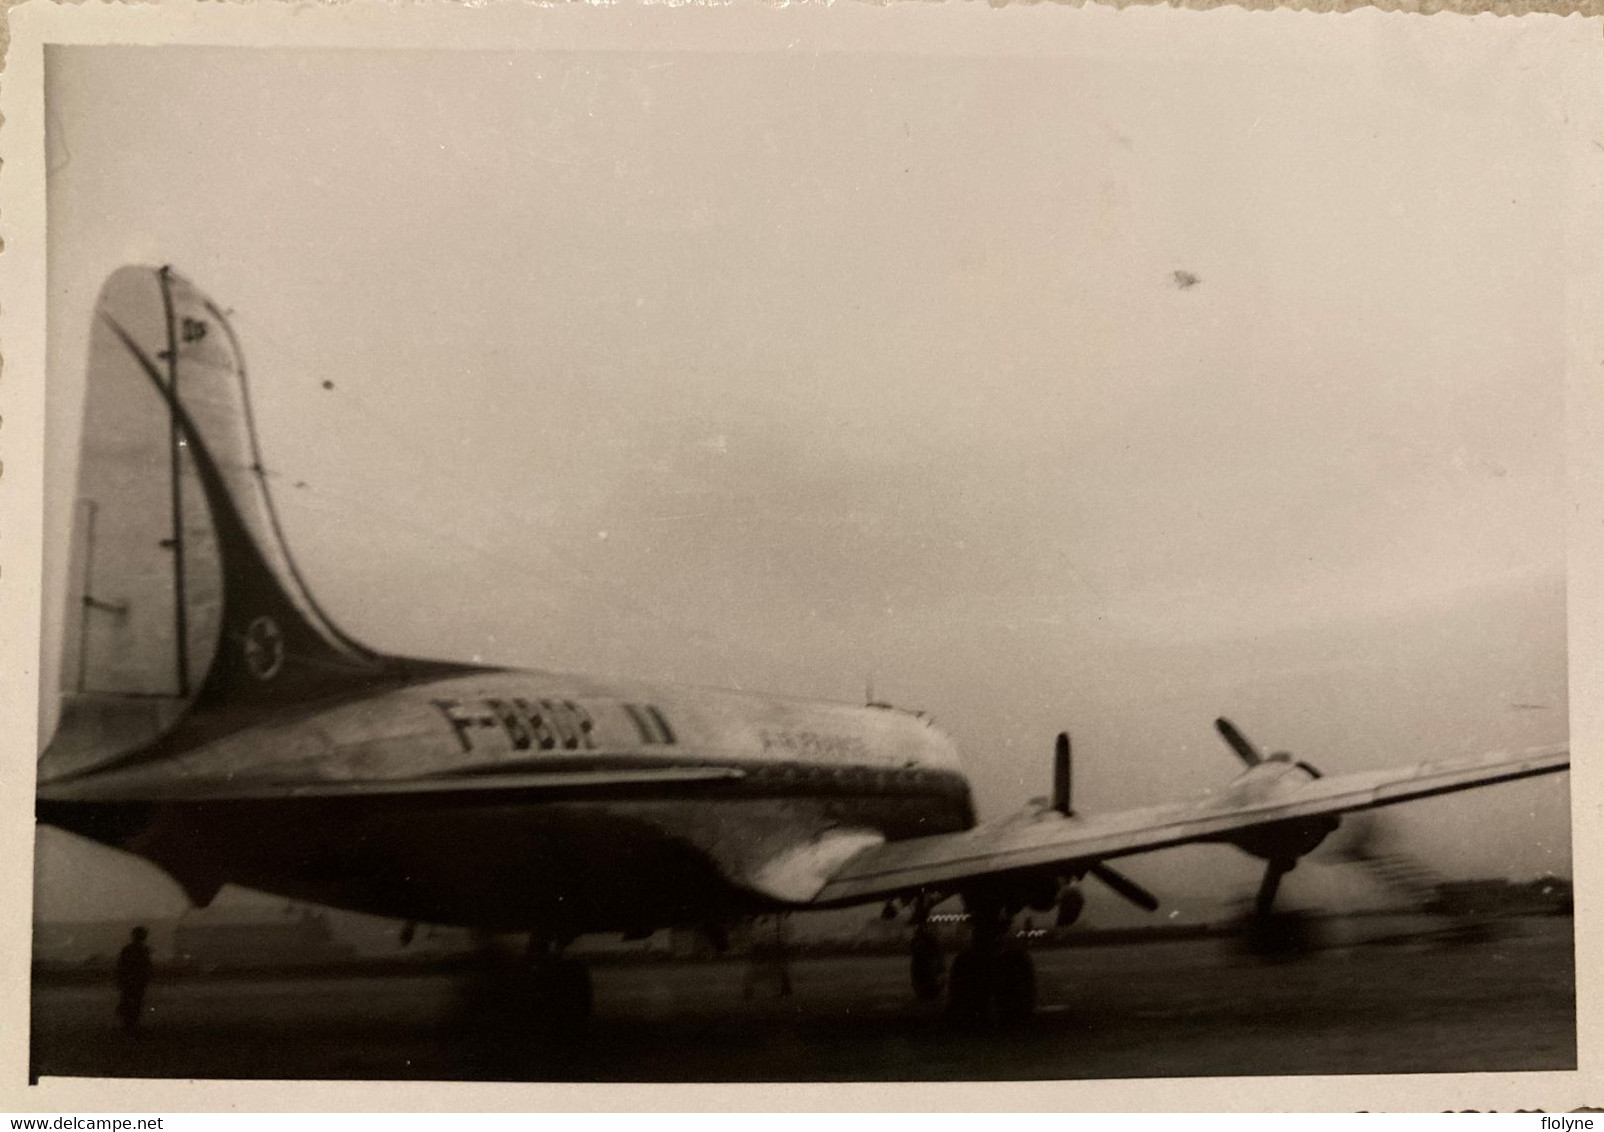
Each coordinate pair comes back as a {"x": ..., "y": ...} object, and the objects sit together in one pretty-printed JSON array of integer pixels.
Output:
[
  {"x": 555, "y": 991},
  {"x": 541, "y": 994},
  {"x": 926, "y": 964},
  {"x": 991, "y": 981},
  {"x": 519, "y": 1014},
  {"x": 560, "y": 994},
  {"x": 969, "y": 987},
  {"x": 999, "y": 987},
  {"x": 1015, "y": 991}
]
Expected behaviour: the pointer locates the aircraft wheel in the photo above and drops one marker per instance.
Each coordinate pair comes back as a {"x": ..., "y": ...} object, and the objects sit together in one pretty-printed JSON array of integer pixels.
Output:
[
  {"x": 991, "y": 987},
  {"x": 1015, "y": 986},
  {"x": 567, "y": 992},
  {"x": 969, "y": 987},
  {"x": 928, "y": 968}
]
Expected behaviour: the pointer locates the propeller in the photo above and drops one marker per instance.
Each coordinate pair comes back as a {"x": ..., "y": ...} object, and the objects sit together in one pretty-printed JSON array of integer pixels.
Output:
[
  {"x": 1125, "y": 886},
  {"x": 1374, "y": 845},
  {"x": 1063, "y": 803},
  {"x": 1238, "y": 742},
  {"x": 1061, "y": 775},
  {"x": 1363, "y": 840}
]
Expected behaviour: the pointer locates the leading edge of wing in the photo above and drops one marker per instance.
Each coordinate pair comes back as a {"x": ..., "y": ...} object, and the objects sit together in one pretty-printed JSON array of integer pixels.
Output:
[{"x": 1010, "y": 845}]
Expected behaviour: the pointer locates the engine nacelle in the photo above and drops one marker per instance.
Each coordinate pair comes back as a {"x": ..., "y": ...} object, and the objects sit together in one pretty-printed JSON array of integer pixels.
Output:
[
  {"x": 1071, "y": 903},
  {"x": 1051, "y": 894},
  {"x": 1040, "y": 893},
  {"x": 1286, "y": 840}
]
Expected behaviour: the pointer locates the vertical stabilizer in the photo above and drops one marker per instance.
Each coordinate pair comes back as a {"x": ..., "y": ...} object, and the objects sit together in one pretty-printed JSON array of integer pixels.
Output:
[{"x": 184, "y": 598}]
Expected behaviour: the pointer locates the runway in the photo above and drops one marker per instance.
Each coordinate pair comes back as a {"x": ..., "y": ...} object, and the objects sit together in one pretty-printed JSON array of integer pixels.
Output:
[{"x": 1197, "y": 1007}]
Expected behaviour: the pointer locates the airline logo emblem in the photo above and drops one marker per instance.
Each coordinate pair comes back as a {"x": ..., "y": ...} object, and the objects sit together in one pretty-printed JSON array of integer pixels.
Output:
[{"x": 264, "y": 648}]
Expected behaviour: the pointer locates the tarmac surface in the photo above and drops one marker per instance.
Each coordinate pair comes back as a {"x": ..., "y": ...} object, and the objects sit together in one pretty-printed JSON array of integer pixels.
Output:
[{"x": 1416, "y": 1004}]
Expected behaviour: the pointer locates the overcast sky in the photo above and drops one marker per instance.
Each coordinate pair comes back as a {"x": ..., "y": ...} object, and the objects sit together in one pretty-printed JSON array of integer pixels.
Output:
[{"x": 1048, "y": 391}]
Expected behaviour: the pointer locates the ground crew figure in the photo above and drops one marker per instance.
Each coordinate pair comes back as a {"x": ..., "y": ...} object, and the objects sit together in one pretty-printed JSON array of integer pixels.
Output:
[{"x": 133, "y": 976}]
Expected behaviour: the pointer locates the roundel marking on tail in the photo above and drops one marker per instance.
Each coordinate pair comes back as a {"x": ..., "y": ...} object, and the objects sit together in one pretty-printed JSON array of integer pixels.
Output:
[{"x": 264, "y": 648}]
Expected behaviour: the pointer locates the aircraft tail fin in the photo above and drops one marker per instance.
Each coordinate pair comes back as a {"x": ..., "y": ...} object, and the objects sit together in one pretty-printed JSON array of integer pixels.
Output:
[{"x": 184, "y": 597}]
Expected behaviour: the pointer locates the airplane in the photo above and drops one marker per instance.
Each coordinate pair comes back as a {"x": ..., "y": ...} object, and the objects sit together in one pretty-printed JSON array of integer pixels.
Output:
[{"x": 217, "y": 722}]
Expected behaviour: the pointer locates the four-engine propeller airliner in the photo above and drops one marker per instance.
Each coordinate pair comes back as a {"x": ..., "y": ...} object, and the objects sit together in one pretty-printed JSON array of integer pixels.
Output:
[{"x": 216, "y": 721}]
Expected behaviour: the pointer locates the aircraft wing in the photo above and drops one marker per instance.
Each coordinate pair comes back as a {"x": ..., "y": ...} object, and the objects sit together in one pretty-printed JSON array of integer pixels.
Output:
[{"x": 1012, "y": 845}]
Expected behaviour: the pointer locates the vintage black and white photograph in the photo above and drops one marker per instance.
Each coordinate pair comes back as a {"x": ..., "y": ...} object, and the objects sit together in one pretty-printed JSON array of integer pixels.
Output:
[{"x": 1034, "y": 555}]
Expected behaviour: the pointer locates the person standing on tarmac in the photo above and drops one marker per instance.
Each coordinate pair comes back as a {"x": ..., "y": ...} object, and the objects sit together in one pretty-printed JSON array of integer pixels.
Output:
[{"x": 133, "y": 976}]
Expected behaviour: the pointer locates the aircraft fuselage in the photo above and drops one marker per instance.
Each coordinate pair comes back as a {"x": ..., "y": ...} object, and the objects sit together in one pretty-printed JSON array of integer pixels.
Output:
[{"x": 625, "y": 856}]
